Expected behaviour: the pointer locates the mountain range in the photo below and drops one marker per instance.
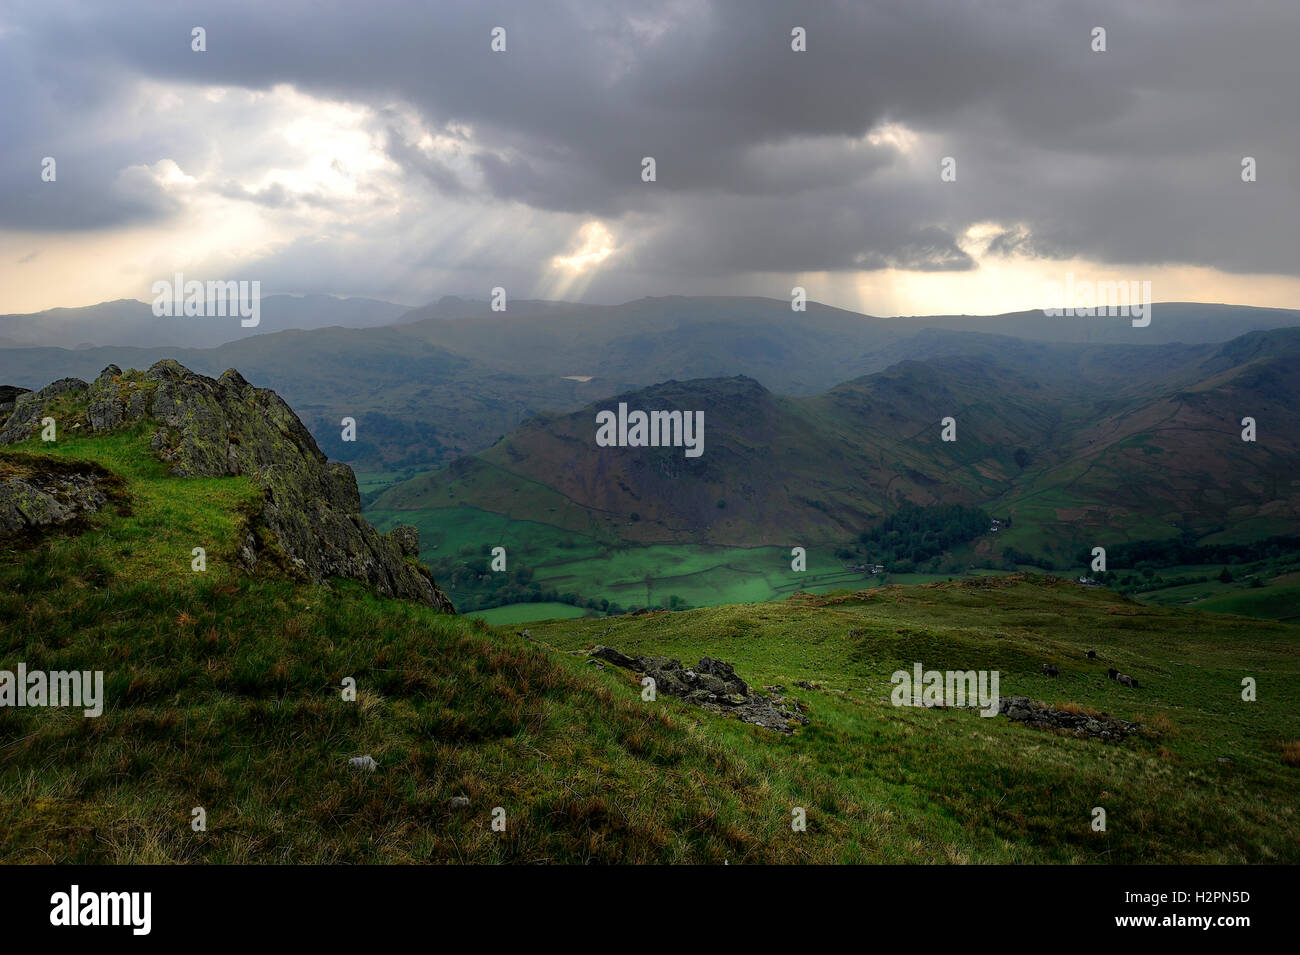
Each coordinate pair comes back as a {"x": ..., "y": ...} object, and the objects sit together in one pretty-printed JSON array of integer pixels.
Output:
[
  {"x": 450, "y": 379},
  {"x": 1081, "y": 444},
  {"x": 130, "y": 322}
]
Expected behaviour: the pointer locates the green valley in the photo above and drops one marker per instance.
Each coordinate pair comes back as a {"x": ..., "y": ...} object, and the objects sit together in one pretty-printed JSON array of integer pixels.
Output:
[
  {"x": 1061, "y": 458},
  {"x": 223, "y": 691}
]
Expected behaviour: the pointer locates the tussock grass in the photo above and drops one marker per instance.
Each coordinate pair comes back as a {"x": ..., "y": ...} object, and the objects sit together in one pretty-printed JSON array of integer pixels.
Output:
[
  {"x": 1209, "y": 782},
  {"x": 224, "y": 691},
  {"x": 1291, "y": 752}
]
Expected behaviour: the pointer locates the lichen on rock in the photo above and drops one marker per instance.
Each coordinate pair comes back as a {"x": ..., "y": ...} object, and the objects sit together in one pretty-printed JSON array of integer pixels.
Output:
[
  {"x": 208, "y": 427},
  {"x": 712, "y": 685},
  {"x": 32, "y": 501}
]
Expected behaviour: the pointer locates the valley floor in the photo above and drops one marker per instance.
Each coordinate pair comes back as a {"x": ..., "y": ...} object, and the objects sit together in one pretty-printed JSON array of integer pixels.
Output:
[{"x": 580, "y": 573}]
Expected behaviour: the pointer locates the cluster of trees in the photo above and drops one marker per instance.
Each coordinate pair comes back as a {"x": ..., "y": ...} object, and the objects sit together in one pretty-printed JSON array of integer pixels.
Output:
[
  {"x": 913, "y": 536},
  {"x": 473, "y": 585},
  {"x": 382, "y": 441},
  {"x": 1012, "y": 558},
  {"x": 1147, "y": 579},
  {"x": 1184, "y": 551}
]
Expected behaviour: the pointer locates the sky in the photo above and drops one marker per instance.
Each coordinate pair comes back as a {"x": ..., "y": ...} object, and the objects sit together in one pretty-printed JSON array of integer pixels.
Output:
[{"x": 385, "y": 149}]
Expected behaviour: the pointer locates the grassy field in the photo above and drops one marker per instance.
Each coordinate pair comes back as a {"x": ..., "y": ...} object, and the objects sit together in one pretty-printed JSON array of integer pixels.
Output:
[
  {"x": 648, "y": 576},
  {"x": 157, "y": 531},
  {"x": 699, "y": 575},
  {"x": 1210, "y": 783},
  {"x": 1269, "y": 589},
  {"x": 372, "y": 482},
  {"x": 1273, "y": 603},
  {"x": 451, "y": 530},
  {"x": 526, "y": 613},
  {"x": 223, "y": 691},
  {"x": 630, "y": 575}
]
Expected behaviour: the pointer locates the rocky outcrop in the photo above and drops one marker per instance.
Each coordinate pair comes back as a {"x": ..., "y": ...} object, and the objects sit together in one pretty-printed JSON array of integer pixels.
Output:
[
  {"x": 9, "y": 394},
  {"x": 310, "y": 519},
  {"x": 713, "y": 685},
  {"x": 40, "y": 493},
  {"x": 1041, "y": 716}
]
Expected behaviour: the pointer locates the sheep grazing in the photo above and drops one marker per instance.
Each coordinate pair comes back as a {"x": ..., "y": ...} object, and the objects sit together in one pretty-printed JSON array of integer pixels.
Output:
[
  {"x": 1112, "y": 674},
  {"x": 1127, "y": 680},
  {"x": 1051, "y": 669},
  {"x": 1091, "y": 654}
]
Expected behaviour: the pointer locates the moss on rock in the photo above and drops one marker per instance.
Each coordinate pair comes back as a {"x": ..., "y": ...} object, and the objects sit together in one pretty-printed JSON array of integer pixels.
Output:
[{"x": 216, "y": 427}]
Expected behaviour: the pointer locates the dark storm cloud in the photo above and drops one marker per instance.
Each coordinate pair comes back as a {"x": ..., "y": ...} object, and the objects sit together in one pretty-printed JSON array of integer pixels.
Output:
[
  {"x": 1128, "y": 156},
  {"x": 438, "y": 173},
  {"x": 45, "y": 110}
]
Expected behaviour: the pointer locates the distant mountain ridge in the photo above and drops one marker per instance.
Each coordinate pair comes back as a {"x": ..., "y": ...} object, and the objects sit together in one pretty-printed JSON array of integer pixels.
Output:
[
  {"x": 128, "y": 322},
  {"x": 1079, "y": 446},
  {"x": 450, "y": 379}
]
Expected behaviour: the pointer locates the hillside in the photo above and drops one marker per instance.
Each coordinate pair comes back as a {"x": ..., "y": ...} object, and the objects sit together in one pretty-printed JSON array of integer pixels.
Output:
[
  {"x": 450, "y": 379},
  {"x": 774, "y": 470},
  {"x": 307, "y": 520},
  {"x": 223, "y": 691},
  {"x": 1210, "y": 779},
  {"x": 1108, "y": 451},
  {"x": 223, "y": 687},
  {"x": 131, "y": 323},
  {"x": 1176, "y": 460},
  {"x": 798, "y": 353}
]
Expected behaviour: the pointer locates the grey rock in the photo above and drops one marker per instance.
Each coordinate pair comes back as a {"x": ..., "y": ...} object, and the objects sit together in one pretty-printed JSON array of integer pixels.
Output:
[
  {"x": 613, "y": 656},
  {"x": 1021, "y": 709},
  {"x": 33, "y": 499},
  {"x": 712, "y": 685},
  {"x": 218, "y": 427},
  {"x": 407, "y": 539},
  {"x": 9, "y": 395},
  {"x": 29, "y": 408}
]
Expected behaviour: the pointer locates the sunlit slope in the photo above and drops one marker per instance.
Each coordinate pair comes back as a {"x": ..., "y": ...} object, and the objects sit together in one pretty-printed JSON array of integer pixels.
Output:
[
  {"x": 1123, "y": 448},
  {"x": 1213, "y": 779},
  {"x": 1179, "y": 459},
  {"x": 773, "y": 470},
  {"x": 224, "y": 691}
]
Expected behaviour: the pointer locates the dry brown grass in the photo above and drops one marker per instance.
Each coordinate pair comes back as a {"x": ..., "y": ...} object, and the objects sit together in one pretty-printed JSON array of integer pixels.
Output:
[
  {"x": 1079, "y": 709},
  {"x": 1157, "y": 724}
]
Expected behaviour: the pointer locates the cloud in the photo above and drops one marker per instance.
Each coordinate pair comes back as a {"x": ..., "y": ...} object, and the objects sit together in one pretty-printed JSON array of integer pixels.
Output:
[{"x": 389, "y": 141}]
